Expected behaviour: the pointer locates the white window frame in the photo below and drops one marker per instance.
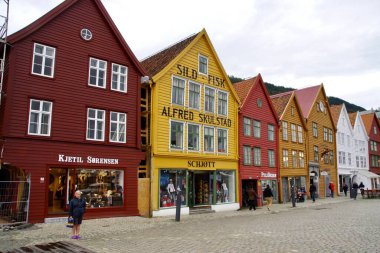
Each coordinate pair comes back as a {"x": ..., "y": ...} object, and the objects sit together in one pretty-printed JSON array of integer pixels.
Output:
[
  {"x": 226, "y": 93},
  {"x": 301, "y": 159},
  {"x": 285, "y": 130},
  {"x": 271, "y": 132},
  {"x": 183, "y": 135},
  {"x": 184, "y": 90},
  {"x": 97, "y": 68},
  {"x": 199, "y": 137},
  {"x": 44, "y": 56},
  {"x": 204, "y": 100},
  {"x": 96, "y": 125},
  {"x": 40, "y": 112},
  {"x": 199, "y": 65},
  {"x": 118, "y": 124},
  {"x": 247, "y": 160},
  {"x": 244, "y": 126},
  {"x": 271, "y": 158},
  {"x": 204, "y": 142},
  {"x": 199, "y": 97},
  {"x": 259, "y": 159},
  {"x": 285, "y": 158},
  {"x": 293, "y": 130},
  {"x": 315, "y": 129},
  {"x": 300, "y": 134},
  {"x": 294, "y": 159},
  {"x": 223, "y": 129},
  {"x": 254, "y": 128},
  {"x": 119, "y": 75}
]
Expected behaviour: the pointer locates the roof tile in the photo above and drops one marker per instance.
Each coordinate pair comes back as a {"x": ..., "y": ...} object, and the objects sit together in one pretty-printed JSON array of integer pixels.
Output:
[
  {"x": 243, "y": 88},
  {"x": 335, "y": 112},
  {"x": 280, "y": 101},
  {"x": 306, "y": 98}
]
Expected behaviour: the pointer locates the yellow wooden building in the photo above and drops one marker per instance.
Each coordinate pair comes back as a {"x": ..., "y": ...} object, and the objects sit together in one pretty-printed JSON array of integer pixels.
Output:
[
  {"x": 321, "y": 140},
  {"x": 193, "y": 120},
  {"x": 293, "y": 169}
]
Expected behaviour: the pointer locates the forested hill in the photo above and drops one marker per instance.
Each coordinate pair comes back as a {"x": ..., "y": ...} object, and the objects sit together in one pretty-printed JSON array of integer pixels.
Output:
[{"x": 274, "y": 89}]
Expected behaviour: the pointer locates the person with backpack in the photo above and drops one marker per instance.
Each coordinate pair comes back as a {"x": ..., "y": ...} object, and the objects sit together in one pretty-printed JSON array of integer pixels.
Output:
[{"x": 76, "y": 211}]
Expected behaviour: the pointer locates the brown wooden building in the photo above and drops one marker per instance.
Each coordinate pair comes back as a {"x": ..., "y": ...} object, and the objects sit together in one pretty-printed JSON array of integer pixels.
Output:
[{"x": 70, "y": 113}]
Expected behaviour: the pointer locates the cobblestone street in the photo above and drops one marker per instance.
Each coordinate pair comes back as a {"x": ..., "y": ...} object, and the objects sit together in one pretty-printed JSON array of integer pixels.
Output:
[{"x": 338, "y": 225}]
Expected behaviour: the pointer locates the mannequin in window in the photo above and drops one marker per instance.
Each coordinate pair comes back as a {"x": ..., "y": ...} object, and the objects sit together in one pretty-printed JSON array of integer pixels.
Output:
[
  {"x": 171, "y": 190},
  {"x": 225, "y": 191}
]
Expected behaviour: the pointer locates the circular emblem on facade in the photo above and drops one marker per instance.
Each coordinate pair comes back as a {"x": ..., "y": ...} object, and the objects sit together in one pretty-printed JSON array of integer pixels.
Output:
[{"x": 86, "y": 34}]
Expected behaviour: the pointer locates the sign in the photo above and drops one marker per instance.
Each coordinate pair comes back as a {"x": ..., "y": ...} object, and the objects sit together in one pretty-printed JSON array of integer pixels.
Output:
[
  {"x": 324, "y": 173},
  {"x": 200, "y": 164},
  {"x": 193, "y": 74},
  {"x": 89, "y": 159},
  {"x": 268, "y": 174}
]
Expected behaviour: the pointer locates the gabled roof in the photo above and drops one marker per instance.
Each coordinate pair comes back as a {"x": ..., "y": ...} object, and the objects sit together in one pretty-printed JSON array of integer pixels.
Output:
[
  {"x": 367, "y": 121},
  {"x": 155, "y": 63},
  {"x": 353, "y": 118},
  {"x": 335, "y": 113},
  {"x": 244, "y": 88},
  {"x": 307, "y": 97},
  {"x": 48, "y": 17},
  {"x": 161, "y": 62}
]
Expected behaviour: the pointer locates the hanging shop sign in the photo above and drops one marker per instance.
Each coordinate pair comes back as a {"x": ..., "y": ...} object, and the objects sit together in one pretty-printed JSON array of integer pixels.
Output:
[
  {"x": 89, "y": 159},
  {"x": 324, "y": 173},
  {"x": 268, "y": 174}
]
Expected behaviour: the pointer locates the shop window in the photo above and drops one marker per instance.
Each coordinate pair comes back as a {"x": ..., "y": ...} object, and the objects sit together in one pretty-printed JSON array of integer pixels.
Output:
[
  {"x": 172, "y": 181},
  {"x": 247, "y": 155},
  {"x": 176, "y": 135},
  {"x": 222, "y": 103},
  {"x": 270, "y": 132},
  {"x": 294, "y": 134},
  {"x": 40, "y": 117},
  {"x": 271, "y": 158},
  {"x": 208, "y": 139},
  {"x": 203, "y": 64},
  {"x": 178, "y": 91},
  {"x": 285, "y": 130},
  {"x": 119, "y": 77},
  {"x": 222, "y": 140},
  {"x": 97, "y": 73},
  {"x": 225, "y": 185},
  {"x": 256, "y": 128},
  {"x": 95, "y": 124},
  {"x": 194, "y": 95},
  {"x": 285, "y": 158},
  {"x": 43, "y": 60},
  {"x": 257, "y": 156},
  {"x": 118, "y": 127},
  {"x": 193, "y": 137},
  {"x": 209, "y": 99},
  {"x": 247, "y": 126},
  {"x": 300, "y": 134},
  {"x": 101, "y": 188}
]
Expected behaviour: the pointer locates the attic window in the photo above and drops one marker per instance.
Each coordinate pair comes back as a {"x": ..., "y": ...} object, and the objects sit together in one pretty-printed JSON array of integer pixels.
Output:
[
  {"x": 259, "y": 103},
  {"x": 86, "y": 34}
]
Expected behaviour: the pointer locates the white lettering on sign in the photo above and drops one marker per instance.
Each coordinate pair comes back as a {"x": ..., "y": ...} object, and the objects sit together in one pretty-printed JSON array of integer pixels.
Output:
[
  {"x": 77, "y": 159},
  {"x": 268, "y": 174}
]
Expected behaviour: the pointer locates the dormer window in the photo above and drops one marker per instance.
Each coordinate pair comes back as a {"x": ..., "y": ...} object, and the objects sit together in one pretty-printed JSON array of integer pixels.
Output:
[{"x": 203, "y": 64}]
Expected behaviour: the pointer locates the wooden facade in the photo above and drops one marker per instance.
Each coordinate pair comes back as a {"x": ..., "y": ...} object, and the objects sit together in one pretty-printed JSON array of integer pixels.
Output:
[{"x": 67, "y": 145}]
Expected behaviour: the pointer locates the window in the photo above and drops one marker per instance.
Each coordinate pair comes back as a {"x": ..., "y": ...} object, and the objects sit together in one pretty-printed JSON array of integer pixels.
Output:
[
  {"x": 256, "y": 128},
  {"x": 315, "y": 129},
  {"x": 247, "y": 155},
  {"x": 40, "y": 117},
  {"x": 326, "y": 158},
  {"x": 170, "y": 181},
  {"x": 194, "y": 95},
  {"x": 285, "y": 158},
  {"x": 372, "y": 148},
  {"x": 247, "y": 126},
  {"x": 301, "y": 158},
  {"x": 373, "y": 160},
  {"x": 316, "y": 154},
  {"x": 331, "y": 136},
  {"x": 342, "y": 137},
  {"x": 348, "y": 140},
  {"x": 285, "y": 130},
  {"x": 361, "y": 162},
  {"x": 349, "y": 159},
  {"x": 270, "y": 132},
  {"x": 209, "y": 99},
  {"x": 118, "y": 127},
  {"x": 203, "y": 64},
  {"x": 208, "y": 139},
  {"x": 374, "y": 129},
  {"x": 259, "y": 102},
  {"x": 294, "y": 134},
  {"x": 43, "y": 60},
  {"x": 86, "y": 34},
  {"x": 257, "y": 156},
  {"x": 294, "y": 159},
  {"x": 271, "y": 159},
  {"x": 292, "y": 111},
  {"x": 119, "y": 77},
  {"x": 357, "y": 162},
  {"x": 340, "y": 161},
  {"x": 193, "y": 137},
  {"x": 97, "y": 73},
  {"x": 325, "y": 135},
  {"x": 225, "y": 181},
  {"x": 95, "y": 124},
  {"x": 222, "y": 140},
  {"x": 344, "y": 157},
  {"x": 178, "y": 91},
  {"x": 176, "y": 135},
  {"x": 332, "y": 157},
  {"x": 222, "y": 103},
  {"x": 300, "y": 134}
]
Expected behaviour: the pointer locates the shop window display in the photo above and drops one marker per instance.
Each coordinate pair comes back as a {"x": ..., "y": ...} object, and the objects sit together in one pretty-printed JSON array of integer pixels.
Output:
[
  {"x": 171, "y": 181},
  {"x": 101, "y": 188},
  {"x": 225, "y": 186}
]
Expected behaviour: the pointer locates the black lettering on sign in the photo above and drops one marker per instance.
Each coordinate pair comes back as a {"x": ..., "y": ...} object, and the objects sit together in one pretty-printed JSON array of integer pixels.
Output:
[{"x": 179, "y": 69}]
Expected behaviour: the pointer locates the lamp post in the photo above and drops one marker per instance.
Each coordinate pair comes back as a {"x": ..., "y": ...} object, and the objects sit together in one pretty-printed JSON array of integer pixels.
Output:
[{"x": 293, "y": 192}]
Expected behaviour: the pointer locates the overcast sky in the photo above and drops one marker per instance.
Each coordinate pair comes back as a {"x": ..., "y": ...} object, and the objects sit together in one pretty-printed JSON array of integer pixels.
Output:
[{"x": 291, "y": 43}]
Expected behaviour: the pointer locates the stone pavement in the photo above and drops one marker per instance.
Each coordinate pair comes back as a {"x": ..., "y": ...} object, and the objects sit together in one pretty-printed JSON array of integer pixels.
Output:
[{"x": 329, "y": 225}]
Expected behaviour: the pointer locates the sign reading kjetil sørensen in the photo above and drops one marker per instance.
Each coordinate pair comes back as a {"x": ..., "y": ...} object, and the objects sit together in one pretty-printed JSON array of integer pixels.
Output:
[{"x": 89, "y": 159}]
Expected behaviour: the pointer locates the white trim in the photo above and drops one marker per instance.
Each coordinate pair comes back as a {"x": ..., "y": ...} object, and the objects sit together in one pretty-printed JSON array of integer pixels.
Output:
[
  {"x": 217, "y": 144},
  {"x": 199, "y": 137},
  {"x": 104, "y": 123},
  {"x": 43, "y": 55},
  {"x": 201, "y": 55},
  {"x": 204, "y": 98},
  {"x": 208, "y": 152},
  {"x": 97, "y": 73},
  {"x": 118, "y": 78},
  {"x": 117, "y": 127},
  {"x": 183, "y": 135},
  {"x": 188, "y": 94},
  {"x": 184, "y": 91},
  {"x": 40, "y": 112},
  {"x": 227, "y": 93}
]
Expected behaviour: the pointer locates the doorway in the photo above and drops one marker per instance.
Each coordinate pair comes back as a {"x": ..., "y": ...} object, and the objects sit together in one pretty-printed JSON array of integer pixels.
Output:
[
  {"x": 200, "y": 188},
  {"x": 245, "y": 185},
  {"x": 60, "y": 189}
]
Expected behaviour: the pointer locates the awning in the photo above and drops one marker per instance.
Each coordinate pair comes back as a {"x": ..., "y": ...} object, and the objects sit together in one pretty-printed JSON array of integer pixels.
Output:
[{"x": 368, "y": 174}]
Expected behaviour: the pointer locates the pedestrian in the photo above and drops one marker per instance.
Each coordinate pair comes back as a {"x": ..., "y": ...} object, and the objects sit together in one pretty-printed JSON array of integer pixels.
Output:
[
  {"x": 252, "y": 196},
  {"x": 312, "y": 191},
  {"x": 268, "y": 196},
  {"x": 361, "y": 187},
  {"x": 355, "y": 190},
  {"x": 331, "y": 187},
  {"x": 345, "y": 188},
  {"x": 77, "y": 209}
]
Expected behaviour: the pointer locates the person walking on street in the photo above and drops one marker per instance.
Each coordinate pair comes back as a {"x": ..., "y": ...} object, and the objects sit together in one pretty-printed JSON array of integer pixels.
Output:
[
  {"x": 331, "y": 187},
  {"x": 345, "y": 188},
  {"x": 361, "y": 187},
  {"x": 355, "y": 190},
  {"x": 76, "y": 211},
  {"x": 252, "y": 196},
  {"x": 268, "y": 196},
  {"x": 312, "y": 191}
]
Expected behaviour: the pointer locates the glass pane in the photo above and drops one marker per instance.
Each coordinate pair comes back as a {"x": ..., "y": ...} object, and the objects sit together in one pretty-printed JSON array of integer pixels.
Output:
[
  {"x": 44, "y": 128},
  {"x": 91, "y": 124},
  {"x": 48, "y": 71},
  {"x": 50, "y": 51},
  {"x": 34, "y": 117},
  {"x": 122, "y": 79},
  {"x": 94, "y": 62},
  {"x": 99, "y": 134},
  {"x": 100, "y": 114},
  {"x": 90, "y": 134},
  {"x": 113, "y": 116},
  {"x": 102, "y": 64},
  {"x": 115, "y": 68},
  {"x": 38, "y": 49},
  {"x": 225, "y": 185},
  {"x": 91, "y": 113},
  {"x": 33, "y": 127},
  {"x": 172, "y": 182},
  {"x": 35, "y": 105},
  {"x": 123, "y": 70},
  {"x": 45, "y": 118},
  {"x": 122, "y": 117}
]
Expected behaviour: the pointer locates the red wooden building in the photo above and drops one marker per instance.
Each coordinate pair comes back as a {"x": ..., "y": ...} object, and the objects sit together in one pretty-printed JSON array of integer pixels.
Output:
[
  {"x": 372, "y": 127},
  {"x": 258, "y": 140},
  {"x": 70, "y": 113}
]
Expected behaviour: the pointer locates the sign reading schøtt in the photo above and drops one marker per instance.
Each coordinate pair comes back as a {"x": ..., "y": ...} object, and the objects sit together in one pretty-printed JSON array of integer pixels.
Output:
[{"x": 89, "y": 159}]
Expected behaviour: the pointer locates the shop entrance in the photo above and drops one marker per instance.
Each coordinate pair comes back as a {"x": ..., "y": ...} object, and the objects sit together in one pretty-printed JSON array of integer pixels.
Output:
[
  {"x": 245, "y": 185},
  {"x": 200, "y": 188},
  {"x": 60, "y": 189}
]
